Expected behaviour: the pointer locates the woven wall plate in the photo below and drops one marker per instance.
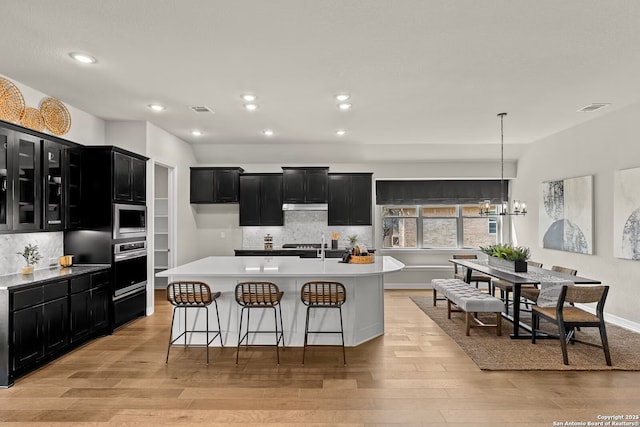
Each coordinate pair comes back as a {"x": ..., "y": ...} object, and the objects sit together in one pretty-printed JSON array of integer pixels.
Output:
[
  {"x": 11, "y": 102},
  {"x": 32, "y": 119},
  {"x": 56, "y": 116}
]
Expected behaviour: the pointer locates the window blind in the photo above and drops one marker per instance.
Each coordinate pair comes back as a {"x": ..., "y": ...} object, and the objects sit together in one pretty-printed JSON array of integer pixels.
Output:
[{"x": 436, "y": 192}]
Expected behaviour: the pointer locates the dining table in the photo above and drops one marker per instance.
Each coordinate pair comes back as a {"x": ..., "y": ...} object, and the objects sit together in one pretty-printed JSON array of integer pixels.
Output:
[{"x": 533, "y": 276}]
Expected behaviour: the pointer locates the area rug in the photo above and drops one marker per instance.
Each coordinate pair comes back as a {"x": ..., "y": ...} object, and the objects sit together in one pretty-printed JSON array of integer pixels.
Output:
[{"x": 493, "y": 353}]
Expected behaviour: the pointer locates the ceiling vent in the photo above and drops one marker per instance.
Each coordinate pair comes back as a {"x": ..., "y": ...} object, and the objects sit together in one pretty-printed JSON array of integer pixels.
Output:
[
  {"x": 592, "y": 107},
  {"x": 201, "y": 109}
]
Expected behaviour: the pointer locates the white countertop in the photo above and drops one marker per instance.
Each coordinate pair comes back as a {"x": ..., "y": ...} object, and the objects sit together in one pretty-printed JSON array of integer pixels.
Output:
[{"x": 234, "y": 266}]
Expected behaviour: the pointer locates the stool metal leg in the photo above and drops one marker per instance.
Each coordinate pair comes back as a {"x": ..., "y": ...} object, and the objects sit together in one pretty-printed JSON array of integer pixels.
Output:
[
  {"x": 344, "y": 355},
  {"x": 275, "y": 325},
  {"x": 306, "y": 333},
  {"x": 219, "y": 327},
  {"x": 206, "y": 342},
  {"x": 173, "y": 316}
]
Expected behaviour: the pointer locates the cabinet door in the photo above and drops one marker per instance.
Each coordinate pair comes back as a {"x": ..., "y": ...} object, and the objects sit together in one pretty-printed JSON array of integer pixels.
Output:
[
  {"x": 250, "y": 200},
  {"x": 293, "y": 185},
  {"x": 53, "y": 184},
  {"x": 79, "y": 315},
  {"x": 225, "y": 184},
  {"x": 27, "y": 336},
  {"x": 55, "y": 325},
  {"x": 6, "y": 198},
  {"x": 360, "y": 200},
  {"x": 339, "y": 207},
  {"x": 316, "y": 185},
  {"x": 201, "y": 186},
  {"x": 122, "y": 177},
  {"x": 271, "y": 200},
  {"x": 27, "y": 198},
  {"x": 138, "y": 180},
  {"x": 73, "y": 190},
  {"x": 100, "y": 298}
]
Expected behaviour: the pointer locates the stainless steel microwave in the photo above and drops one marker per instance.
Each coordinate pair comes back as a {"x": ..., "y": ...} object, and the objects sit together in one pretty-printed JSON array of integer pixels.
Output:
[{"x": 129, "y": 221}]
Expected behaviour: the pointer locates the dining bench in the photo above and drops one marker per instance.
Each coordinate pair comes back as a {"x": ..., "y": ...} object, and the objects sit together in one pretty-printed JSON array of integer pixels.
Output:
[{"x": 469, "y": 300}]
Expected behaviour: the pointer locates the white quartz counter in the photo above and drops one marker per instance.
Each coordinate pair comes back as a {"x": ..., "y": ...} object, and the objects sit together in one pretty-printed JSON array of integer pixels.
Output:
[
  {"x": 363, "y": 311},
  {"x": 280, "y": 267}
]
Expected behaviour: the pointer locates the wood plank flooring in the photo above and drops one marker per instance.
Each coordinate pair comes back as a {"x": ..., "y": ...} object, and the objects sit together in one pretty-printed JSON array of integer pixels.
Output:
[{"x": 414, "y": 375}]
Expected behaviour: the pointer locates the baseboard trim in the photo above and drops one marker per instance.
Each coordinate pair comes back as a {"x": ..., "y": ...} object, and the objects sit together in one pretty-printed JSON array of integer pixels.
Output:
[{"x": 407, "y": 286}]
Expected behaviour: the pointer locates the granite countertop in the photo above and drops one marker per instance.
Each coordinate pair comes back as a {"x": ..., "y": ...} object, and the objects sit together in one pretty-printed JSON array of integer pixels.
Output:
[{"x": 47, "y": 274}]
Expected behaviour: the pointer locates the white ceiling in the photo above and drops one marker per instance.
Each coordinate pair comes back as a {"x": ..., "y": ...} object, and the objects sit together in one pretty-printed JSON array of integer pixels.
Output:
[{"x": 427, "y": 77}]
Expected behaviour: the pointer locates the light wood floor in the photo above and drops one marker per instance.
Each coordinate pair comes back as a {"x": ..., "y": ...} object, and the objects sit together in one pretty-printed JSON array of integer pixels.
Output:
[{"x": 414, "y": 375}]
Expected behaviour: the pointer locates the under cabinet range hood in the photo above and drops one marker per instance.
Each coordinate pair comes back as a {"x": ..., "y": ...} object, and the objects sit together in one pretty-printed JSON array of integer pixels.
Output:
[{"x": 304, "y": 207}]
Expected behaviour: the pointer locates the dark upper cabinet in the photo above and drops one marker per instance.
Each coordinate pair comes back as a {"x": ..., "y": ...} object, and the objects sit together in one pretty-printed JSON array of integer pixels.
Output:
[
  {"x": 27, "y": 202},
  {"x": 215, "y": 184},
  {"x": 54, "y": 183},
  {"x": 261, "y": 199},
  {"x": 6, "y": 180},
  {"x": 304, "y": 185},
  {"x": 129, "y": 183},
  {"x": 349, "y": 199}
]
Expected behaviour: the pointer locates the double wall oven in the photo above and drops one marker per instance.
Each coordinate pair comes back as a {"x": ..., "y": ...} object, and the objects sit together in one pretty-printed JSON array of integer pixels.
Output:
[{"x": 130, "y": 280}]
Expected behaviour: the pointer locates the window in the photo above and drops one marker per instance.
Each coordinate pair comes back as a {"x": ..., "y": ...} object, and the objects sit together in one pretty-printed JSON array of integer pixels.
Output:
[{"x": 438, "y": 226}]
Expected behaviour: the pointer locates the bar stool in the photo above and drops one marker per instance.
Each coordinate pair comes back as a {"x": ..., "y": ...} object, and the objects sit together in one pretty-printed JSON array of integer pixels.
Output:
[
  {"x": 252, "y": 295},
  {"x": 186, "y": 295},
  {"x": 320, "y": 294}
]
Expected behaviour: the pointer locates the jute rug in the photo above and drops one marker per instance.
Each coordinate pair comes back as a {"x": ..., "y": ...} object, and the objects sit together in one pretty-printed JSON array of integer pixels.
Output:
[{"x": 494, "y": 353}]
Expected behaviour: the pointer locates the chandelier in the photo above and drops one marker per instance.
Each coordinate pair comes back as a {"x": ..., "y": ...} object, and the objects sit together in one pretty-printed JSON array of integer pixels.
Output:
[{"x": 519, "y": 207}]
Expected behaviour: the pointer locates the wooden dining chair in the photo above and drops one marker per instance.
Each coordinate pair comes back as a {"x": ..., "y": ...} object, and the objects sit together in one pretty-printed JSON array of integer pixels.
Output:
[
  {"x": 531, "y": 292},
  {"x": 460, "y": 272},
  {"x": 569, "y": 318}
]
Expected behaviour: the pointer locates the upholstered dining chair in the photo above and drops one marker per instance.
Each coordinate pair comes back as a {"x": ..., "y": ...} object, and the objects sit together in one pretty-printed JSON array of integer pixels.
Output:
[
  {"x": 461, "y": 272},
  {"x": 506, "y": 287},
  {"x": 531, "y": 292},
  {"x": 569, "y": 318}
]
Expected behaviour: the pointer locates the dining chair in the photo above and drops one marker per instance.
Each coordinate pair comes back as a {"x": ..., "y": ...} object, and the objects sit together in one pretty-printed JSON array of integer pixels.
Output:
[
  {"x": 507, "y": 287},
  {"x": 569, "y": 318},
  {"x": 531, "y": 292},
  {"x": 460, "y": 272}
]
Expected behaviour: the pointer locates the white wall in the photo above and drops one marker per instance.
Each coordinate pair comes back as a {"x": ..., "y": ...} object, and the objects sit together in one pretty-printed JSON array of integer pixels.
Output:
[{"x": 599, "y": 147}]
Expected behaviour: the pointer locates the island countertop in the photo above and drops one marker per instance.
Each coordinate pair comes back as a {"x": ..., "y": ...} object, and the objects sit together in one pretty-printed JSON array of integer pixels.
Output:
[
  {"x": 230, "y": 266},
  {"x": 363, "y": 310}
]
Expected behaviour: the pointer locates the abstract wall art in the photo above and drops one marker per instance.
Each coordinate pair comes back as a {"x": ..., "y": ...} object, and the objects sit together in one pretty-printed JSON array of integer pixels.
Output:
[
  {"x": 626, "y": 214},
  {"x": 566, "y": 215}
]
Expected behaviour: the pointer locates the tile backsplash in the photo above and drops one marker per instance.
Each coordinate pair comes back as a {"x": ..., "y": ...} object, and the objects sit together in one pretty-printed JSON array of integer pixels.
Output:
[
  {"x": 50, "y": 245},
  {"x": 305, "y": 227}
]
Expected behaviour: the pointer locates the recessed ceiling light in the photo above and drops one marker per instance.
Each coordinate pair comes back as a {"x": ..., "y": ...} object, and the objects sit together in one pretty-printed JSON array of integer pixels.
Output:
[
  {"x": 156, "y": 107},
  {"x": 83, "y": 58},
  {"x": 344, "y": 106},
  {"x": 196, "y": 132},
  {"x": 268, "y": 132},
  {"x": 251, "y": 107},
  {"x": 341, "y": 132},
  {"x": 249, "y": 97},
  {"x": 342, "y": 97}
]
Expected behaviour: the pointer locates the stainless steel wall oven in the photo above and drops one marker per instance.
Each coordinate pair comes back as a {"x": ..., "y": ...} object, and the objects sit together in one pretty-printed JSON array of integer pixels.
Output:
[{"x": 130, "y": 280}]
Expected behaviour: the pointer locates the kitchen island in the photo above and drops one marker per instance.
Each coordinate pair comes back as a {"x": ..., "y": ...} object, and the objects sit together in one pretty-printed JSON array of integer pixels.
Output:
[{"x": 363, "y": 311}]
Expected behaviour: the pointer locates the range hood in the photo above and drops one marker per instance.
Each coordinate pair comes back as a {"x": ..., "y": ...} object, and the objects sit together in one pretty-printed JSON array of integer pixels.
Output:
[{"x": 305, "y": 207}]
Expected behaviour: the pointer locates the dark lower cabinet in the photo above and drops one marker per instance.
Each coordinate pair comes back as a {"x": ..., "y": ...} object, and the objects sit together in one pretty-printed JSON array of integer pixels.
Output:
[
  {"x": 39, "y": 331},
  {"x": 46, "y": 320},
  {"x": 349, "y": 199},
  {"x": 261, "y": 199}
]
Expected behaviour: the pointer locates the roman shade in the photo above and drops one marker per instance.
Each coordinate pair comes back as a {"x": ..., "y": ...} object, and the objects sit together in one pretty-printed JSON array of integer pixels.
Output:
[{"x": 425, "y": 192}]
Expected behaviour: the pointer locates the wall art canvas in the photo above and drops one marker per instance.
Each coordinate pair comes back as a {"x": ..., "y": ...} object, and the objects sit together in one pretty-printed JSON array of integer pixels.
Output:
[
  {"x": 626, "y": 214},
  {"x": 566, "y": 215}
]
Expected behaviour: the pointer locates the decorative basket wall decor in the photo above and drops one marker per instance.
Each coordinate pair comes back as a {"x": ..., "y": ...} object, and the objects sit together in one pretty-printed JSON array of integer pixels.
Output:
[
  {"x": 32, "y": 119},
  {"x": 11, "y": 102},
  {"x": 56, "y": 116}
]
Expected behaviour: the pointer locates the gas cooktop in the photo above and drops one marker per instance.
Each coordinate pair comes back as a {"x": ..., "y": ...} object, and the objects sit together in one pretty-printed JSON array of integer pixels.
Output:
[{"x": 302, "y": 246}]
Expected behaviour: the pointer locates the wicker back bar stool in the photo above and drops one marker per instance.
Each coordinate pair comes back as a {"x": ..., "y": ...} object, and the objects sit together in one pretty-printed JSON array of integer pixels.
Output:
[
  {"x": 321, "y": 294},
  {"x": 192, "y": 295},
  {"x": 252, "y": 295}
]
